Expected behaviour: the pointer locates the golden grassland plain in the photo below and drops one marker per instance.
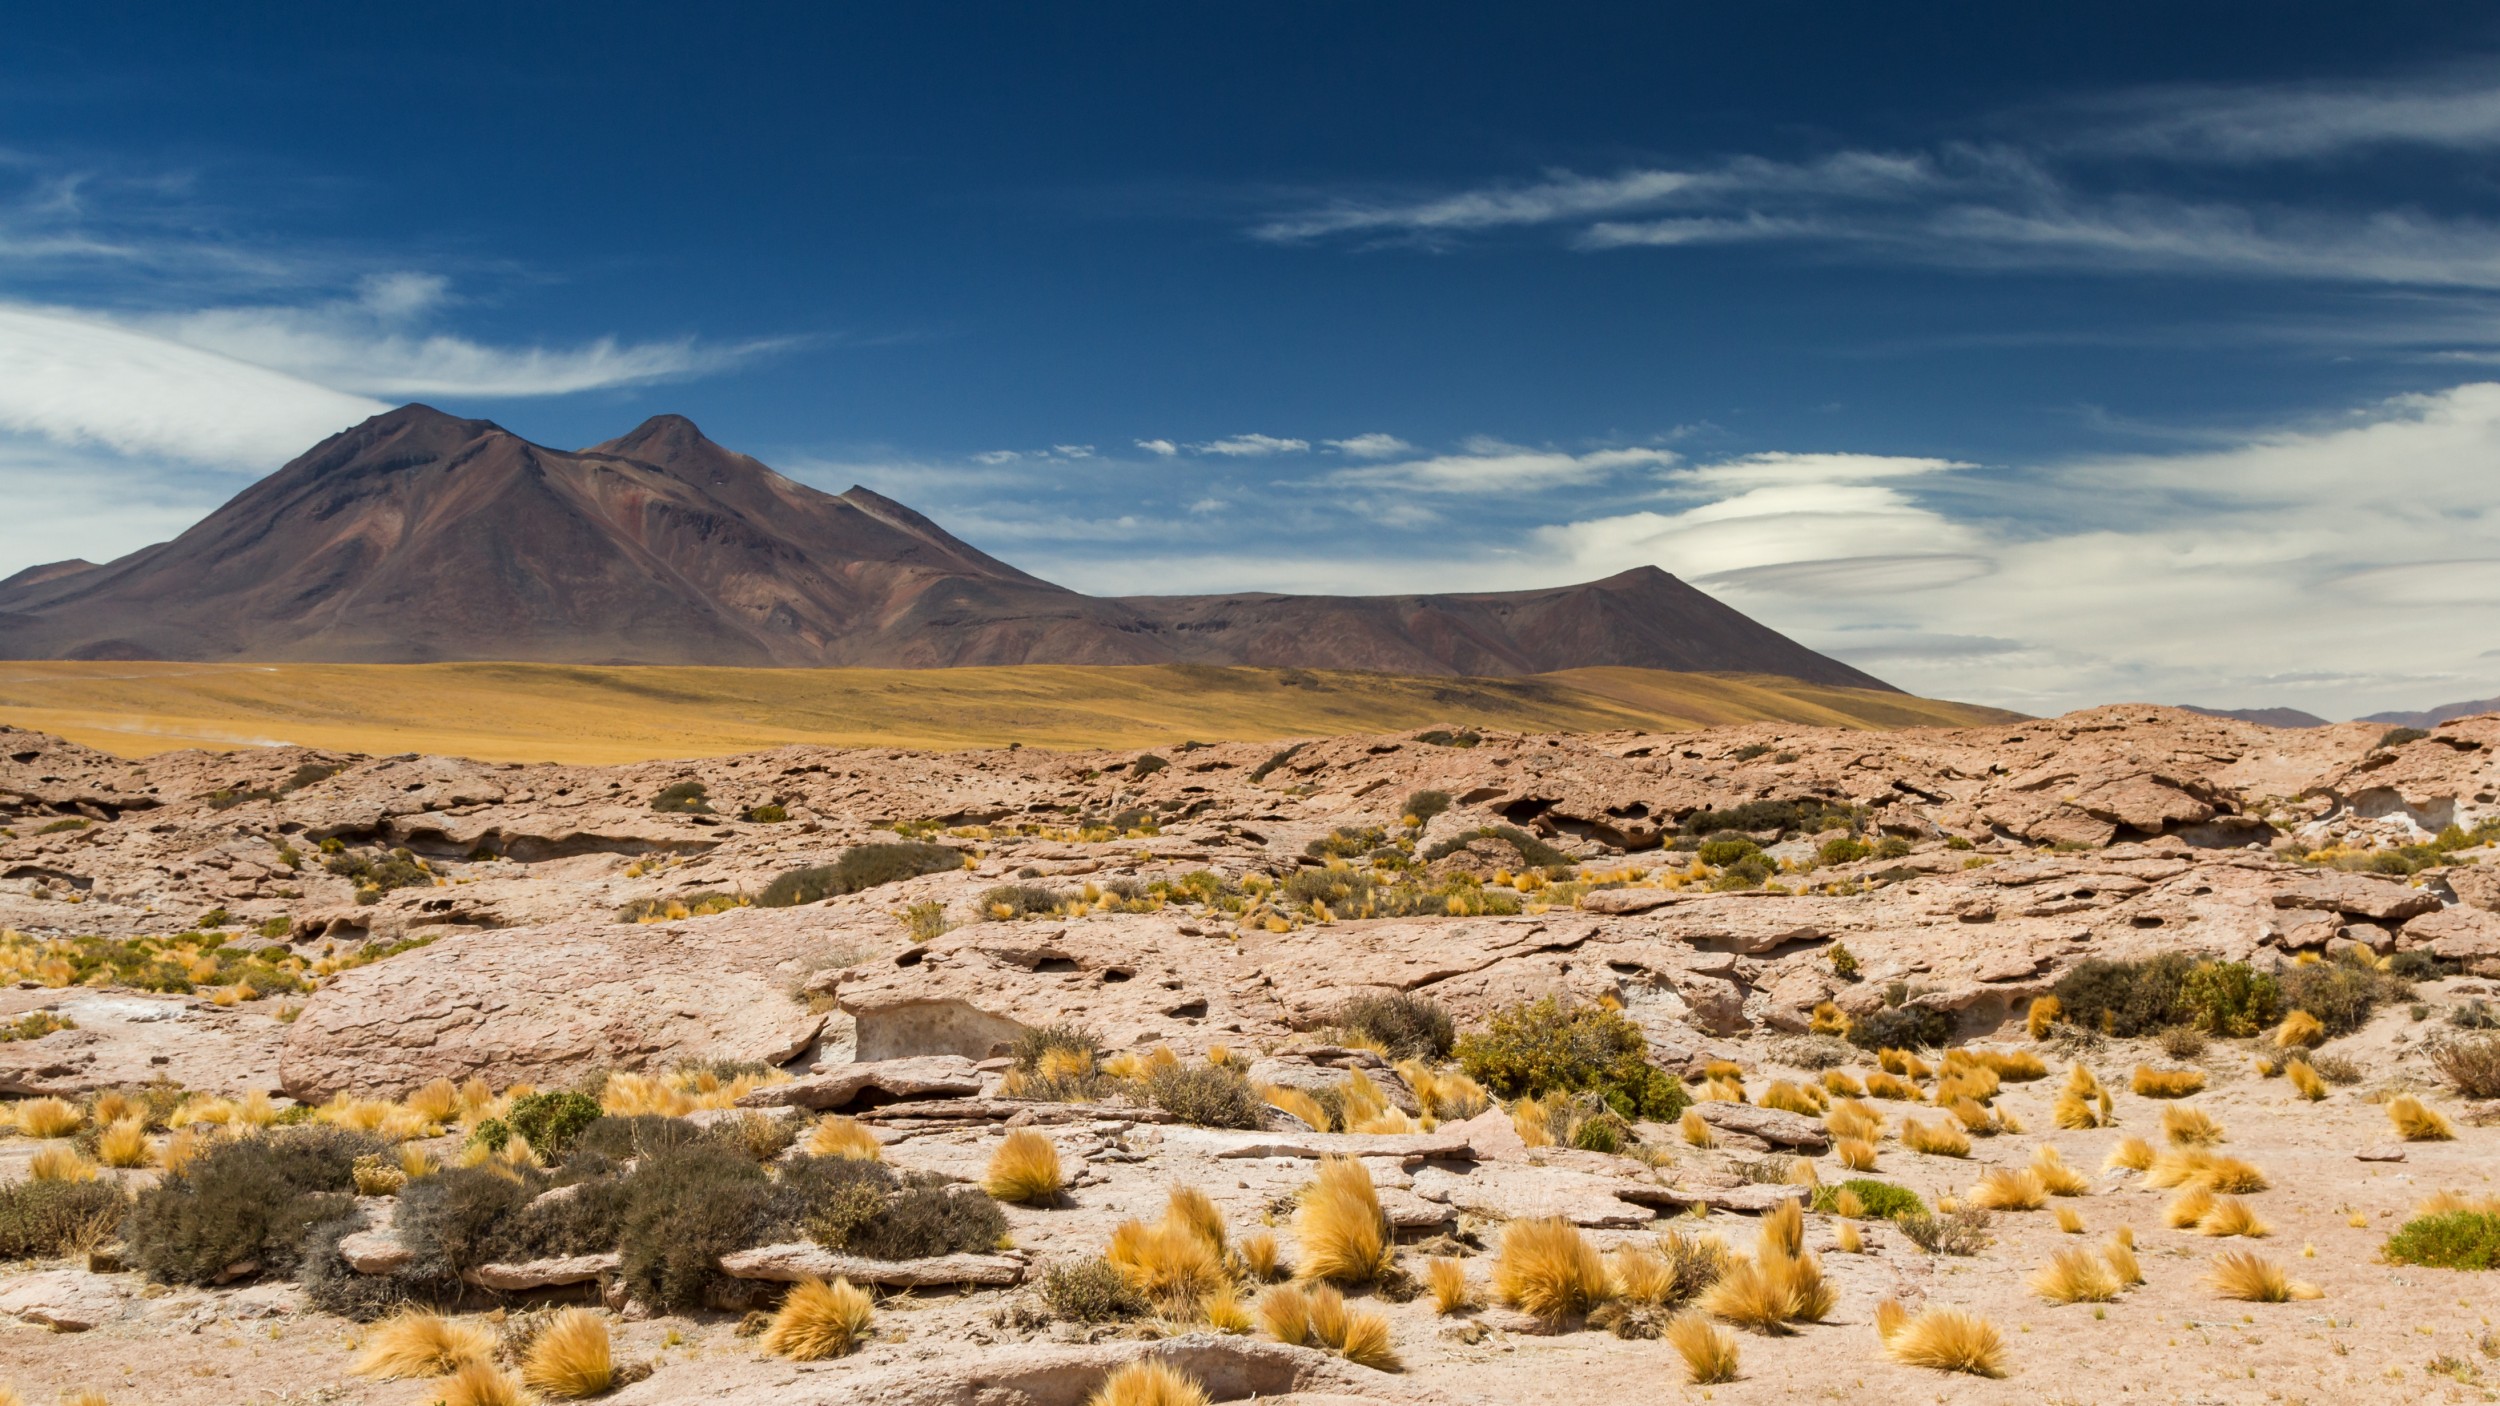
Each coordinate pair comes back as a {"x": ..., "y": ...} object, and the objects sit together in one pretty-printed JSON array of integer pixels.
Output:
[{"x": 607, "y": 714}]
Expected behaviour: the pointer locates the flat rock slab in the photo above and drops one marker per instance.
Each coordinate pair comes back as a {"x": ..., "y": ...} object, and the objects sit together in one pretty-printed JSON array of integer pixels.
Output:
[
  {"x": 791, "y": 1263},
  {"x": 919, "y": 1077},
  {"x": 1033, "y": 1374},
  {"x": 1511, "y": 1191},
  {"x": 64, "y": 1300},
  {"x": 2383, "y": 1152},
  {"x": 375, "y": 1251},
  {"x": 1018, "y": 1111},
  {"x": 542, "y": 1274},
  {"x": 1750, "y": 1200},
  {"x": 1622, "y": 901},
  {"x": 1773, "y": 1125},
  {"x": 2362, "y": 896},
  {"x": 1408, "y": 1211},
  {"x": 1447, "y": 1144}
]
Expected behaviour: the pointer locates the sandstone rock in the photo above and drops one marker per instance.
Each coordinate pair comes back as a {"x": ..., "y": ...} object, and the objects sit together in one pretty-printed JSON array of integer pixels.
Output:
[
  {"x": 2476, "y": 886},
  {"x": 547, "y": 1004},
  {"x": 2382, "y": 1152},
  {"x": 1772, "y": 1125},
  {"x": 64, "y": 1300},
  {"x": 928, "y": 1076},
  {"x": 2359, "y": 895},
  {"x": 125, "y": 1039},
  {"x": 1446, "y": 1144},
  {"x": 2467, "y": 936},
  {"x": 1626, "y": 900},
  {"x": 1516, "y": 1191},
  {"x": 541, "y": 1274},
  {"x": 799, "y": 1260},
  {"x": 373, "y": 1251}
]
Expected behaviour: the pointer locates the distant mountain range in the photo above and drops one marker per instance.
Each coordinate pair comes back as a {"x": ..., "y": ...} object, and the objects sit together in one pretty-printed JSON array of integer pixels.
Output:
[
  {"x": 2294, "y": 717},
  {"x": 417, "y": 537}
]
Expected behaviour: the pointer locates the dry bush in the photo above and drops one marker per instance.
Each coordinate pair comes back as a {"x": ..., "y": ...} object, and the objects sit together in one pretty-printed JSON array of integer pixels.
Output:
[
  {"x": 818, "y": 1320},
  {"x": 1025, "y": 1170},
  {"x": 1957, "y": 1232},
  {"x": 1696, "y": 1130},
  {"x": 482, "y": 1384},
  {"x": 2120, "y": 1256},
  {"x": 2471, "y": 1063},
  {"x": 2075, "y": 1276},
  {"x": 1285, "y": 1314},
  {"x": 1091, "y": 1290},
  {"x": 2305, "y": 1080},
  {"x": 2299, "y": 1030},
  {"x": 1545, "y": 1267},
  {"x": 2188, "y": 1208},
  {"x": 1255, "y": 1256},
  {"x": 2061, "y": 1180},
  {"x": 46, "y": 1219},
  {"x": 1339, "y": 1225},
  {"x": 1949, "y": 1340},
  {"x": 2069, "y": 1220},
  {"x": 1855, "y": 1154},
  {"x": 2253, "y": 1278}
]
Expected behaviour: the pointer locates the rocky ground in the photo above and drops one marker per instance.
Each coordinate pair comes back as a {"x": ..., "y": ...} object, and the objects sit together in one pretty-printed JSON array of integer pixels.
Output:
[{"x": 1735, "y": 893}]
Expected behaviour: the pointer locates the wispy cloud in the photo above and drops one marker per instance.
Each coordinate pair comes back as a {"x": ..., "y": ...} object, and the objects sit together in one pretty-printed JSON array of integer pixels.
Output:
[
  {"x": 1371, "y": 446},
  {"x": 1488, "y": 466},
  {"x": 1251, "y": 446},
  {"x": 2458, "y": 111}
]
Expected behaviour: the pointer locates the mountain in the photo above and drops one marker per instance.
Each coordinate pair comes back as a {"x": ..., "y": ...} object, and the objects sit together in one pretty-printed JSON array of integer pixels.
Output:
[
  {"x": 417, "y": 536},
  {"x": 2263, "y": 717},
  {"x": 2433, "y": 717}
]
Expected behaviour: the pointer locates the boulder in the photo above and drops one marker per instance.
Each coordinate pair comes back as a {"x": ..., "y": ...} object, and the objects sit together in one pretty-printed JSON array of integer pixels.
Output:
[
  {"x": 1776, "y": 1126},
  {"x": 1522, "y": 1191},
  {"x": 2357, "y": 895},
  {"x": 891, "y": 1080},
  {"x": 2469, "y": 937},
  {"x": 125, "y": 1039},
  {"x": 541, "y": 1274},
  {"x": 375, "y": 1251},
  {"x": 547, "y": 1005},
  {"x": 64, "y": 1300},
  {"x": 2476, "y": 886},
  {"x": 1626, "y": 901}
]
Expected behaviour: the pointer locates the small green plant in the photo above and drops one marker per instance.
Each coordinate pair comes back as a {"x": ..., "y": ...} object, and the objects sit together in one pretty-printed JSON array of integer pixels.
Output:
[
  {"x": 60, "y": 827},
  {"x": 683, "y": 798},
  {"x": 1892, "y": 847},
  {"x": 1008, "y": 902},
  {"x": 1841, "y": 849},
  {"x": 1543, "y": 1046},
  {"x": 1422, "y": 806},
  {"x": 1207, "y": 1095},
  {"x": 552, "y": 1120},
  {"x": 859, "y": 868},
  {"x": 2453, "y": 1240},
  {"x": 1882, "y": 1200},
  {"x": 1901, "y": 1027},
  {"x": 34, "y": 1025},
  {"x": 41, "y": 1220},
  {"x": 1844, "y": 963},
  {"x": 2231, "y": 999},
  {"x": 1724, "y": 849},
  {"x": 926, "y": 920},
  {"x": 766, "y": 814},
  {"x": 377, "y": 872}
]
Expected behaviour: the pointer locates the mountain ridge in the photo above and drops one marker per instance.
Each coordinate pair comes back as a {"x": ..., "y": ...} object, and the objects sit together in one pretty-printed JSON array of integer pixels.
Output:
[{"x": 419, "y": 536}]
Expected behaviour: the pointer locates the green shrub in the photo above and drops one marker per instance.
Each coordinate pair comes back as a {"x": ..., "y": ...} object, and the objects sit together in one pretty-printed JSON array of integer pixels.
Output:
[
  {"x": 2399, "y": 736},
  {"x": 868, "y": 1208},
  {"x": 861, "y": 867},
  {"x": 34, "y": 1025},
  {"x": 1892, "y": 847},
  {"x": 926, "y": 920},
  {"x": 1844, "y": 962},
  {"x": 1424, "y": 805},
  {"x": 1751, "y": 871},
  {"x": 1443, "y": 737},
  {"x": 2231, "y": 999},
  {"x": 2126, "y": 999},
  {"x": 2455, "y": 1240},
  {"x": 1347, "y": 842},
  {"x": 1724, "y": 849},
  {"x": 552, "y": 1121},
  {"x": 1882, "y": 1199},
  {"x": 380, "y": 871},
  {"x": 1146, "y": 766},
  {"x": 1531, "y": 849},
  {"x": 1267, "y": 768},
  {"x": 63, "y": 826},
  {"x": 766, "y": 814},
  {"x": 1011, "y": 901},
  {"x": 2340, "y": 994},
  {"x": 1543, "y": 1047},
  {"x": 1901, "y": 1028},
  {"x": 1037, "y": 1041},
  {"x": 1409, "y": 1026},
  {"x": 625, "y": 1139},
  {"x": 1787, "y": 817},
  {"x": 490, "y": 1133},
  {"x": 1840, "y": 849},
  {"x": 1208, "y": 1095},
  {"x": 41, "y": 1220},
  {"x": 683, "y": 798},
  {"x": 463, "y": 1217},
  {"x": 1962, "y": 1232},
  {"x": 249, "y": 1200},
  {"x": 1090, "y": 1290}
]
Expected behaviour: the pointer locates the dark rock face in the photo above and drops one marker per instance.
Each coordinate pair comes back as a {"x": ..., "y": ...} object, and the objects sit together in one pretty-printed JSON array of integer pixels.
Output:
[{"x": 417, "y": 537}]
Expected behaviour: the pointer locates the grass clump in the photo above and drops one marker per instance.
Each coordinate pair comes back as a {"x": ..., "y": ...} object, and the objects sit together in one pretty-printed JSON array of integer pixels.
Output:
[
  {"x": 1543, "y": 1047},
  {"x": 1010, "y": 902},
  {"x": 1963, "y": 1231},
  {"x": 1901, "y": 1027},
  {"x": 2252, "y": 1278},
  {"x": 858, "y": 869},
  {"x": 570, "y": 1359},
  {"x": 1709, "y": 1351},
  {"x": 1343, "y": 1234},
  {"x": 1091, "y": 1290},
  {"x": 1148, "y": 1383},
  {"x": 1545, "y": 1267},
  {"x": 2462, "y": 1239},
  {"x": 2149, "y": 1082},
  {"x": 422, "y": 1345},
  {"x": 1942, "y": 1340},
  {"x": 1877, "y": 1200},
  {"x": 818, "y": 1320},
  {"x": 1208, "y": 1095},
  {"x": 2416, "y": 1121},
  {"x": 2076, "y": 1276},
  {"x": 1025, "y": 1170}
]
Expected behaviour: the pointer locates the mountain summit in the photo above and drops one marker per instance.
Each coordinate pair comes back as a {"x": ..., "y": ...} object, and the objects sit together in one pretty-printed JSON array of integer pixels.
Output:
[{"x": 418, "y": 536}]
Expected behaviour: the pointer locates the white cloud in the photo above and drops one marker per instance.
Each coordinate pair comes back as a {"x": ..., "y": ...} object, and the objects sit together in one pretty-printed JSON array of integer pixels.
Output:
[
  {"x": 2302, "y": 121},
  {"x": 78, "y": 379},
  {"x": 68, "y": 502},
  {"x": 1161, "y": 448},
  {"x": 1251, "y": 446},
  {"x": 1489, "y": 466},
  {"x": 996, "y": 456},
  {"x": 1371, "y": 446},
  {"x": 1073, "y": 451}
]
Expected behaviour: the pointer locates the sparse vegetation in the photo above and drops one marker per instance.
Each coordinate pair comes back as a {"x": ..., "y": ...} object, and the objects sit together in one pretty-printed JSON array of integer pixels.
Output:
[
  {"x": 683, "y": 798},
  {"x": 2469, "y": 1063},
  {"x": 1543, "y": 1046},
  {"x": 245, "y": 1201},
  {"x": 1405, "y": 1025},
  {"x": 2460, "y": 1239},
  {"x": 858, "y": 869}
]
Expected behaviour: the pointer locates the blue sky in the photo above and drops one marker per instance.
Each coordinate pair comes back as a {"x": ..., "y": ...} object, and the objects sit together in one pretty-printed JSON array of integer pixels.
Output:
[{"x": 2140, "y": 352}]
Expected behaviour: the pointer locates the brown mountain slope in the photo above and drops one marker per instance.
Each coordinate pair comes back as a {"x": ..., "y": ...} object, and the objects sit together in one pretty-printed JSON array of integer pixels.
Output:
[{"x": 419, "y": 537}]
